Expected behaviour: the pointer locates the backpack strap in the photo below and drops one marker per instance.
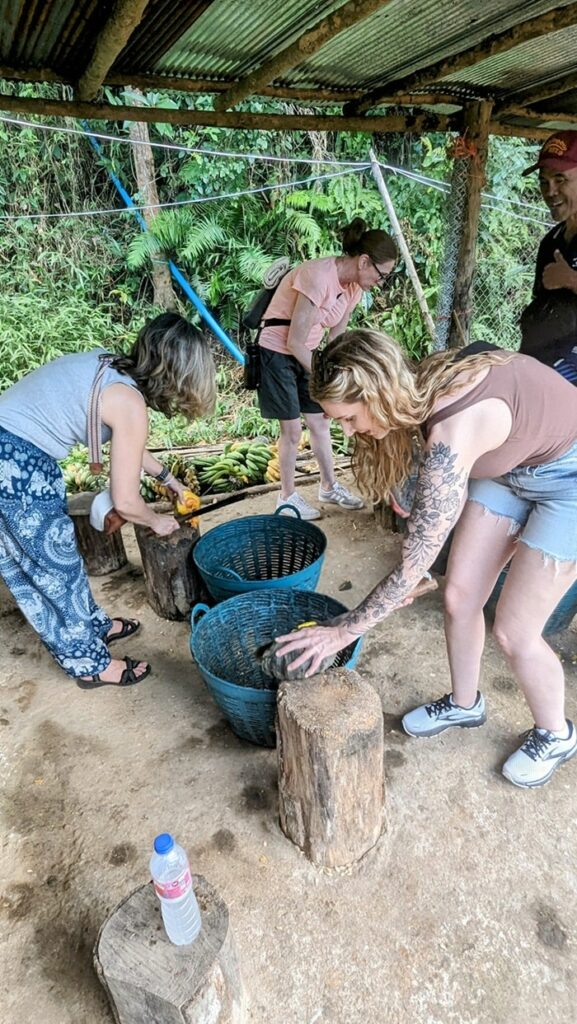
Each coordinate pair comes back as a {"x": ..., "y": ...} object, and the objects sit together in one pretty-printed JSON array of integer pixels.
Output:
[{"x": 94, "y": 415}]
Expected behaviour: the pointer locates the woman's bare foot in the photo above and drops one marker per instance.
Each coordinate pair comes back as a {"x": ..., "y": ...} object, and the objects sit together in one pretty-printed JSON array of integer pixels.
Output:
[{"x": 113, "y": 671}]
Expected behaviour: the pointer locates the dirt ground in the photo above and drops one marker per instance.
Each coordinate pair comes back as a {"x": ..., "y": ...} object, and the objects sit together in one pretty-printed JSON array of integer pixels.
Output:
[{"x": 464, "y": 913}]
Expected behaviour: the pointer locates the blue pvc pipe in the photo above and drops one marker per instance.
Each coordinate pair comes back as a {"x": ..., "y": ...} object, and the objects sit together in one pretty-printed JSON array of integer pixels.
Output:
[{"x": 176, "y": 273}]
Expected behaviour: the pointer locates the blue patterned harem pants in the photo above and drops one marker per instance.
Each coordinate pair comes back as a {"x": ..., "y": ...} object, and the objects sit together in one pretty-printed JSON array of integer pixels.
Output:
[{"x": 39, "y": 559}]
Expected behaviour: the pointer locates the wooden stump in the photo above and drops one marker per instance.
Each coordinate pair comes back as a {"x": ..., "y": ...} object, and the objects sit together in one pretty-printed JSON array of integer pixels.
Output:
[
  {"x": 151, "y": 981},
  {"x": 173, "y": 583},
  {"x": 102, "y": 552},
  {"x": 330, "y": 758}
]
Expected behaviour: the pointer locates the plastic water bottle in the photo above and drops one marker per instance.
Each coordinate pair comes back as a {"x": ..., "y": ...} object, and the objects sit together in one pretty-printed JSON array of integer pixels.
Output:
[{"x": 173, "y": 884}]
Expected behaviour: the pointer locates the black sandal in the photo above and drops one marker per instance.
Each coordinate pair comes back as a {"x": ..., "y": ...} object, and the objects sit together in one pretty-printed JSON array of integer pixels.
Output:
[
  {"x": 129, "y": 628},
  {"x": 128, "y": 677}
]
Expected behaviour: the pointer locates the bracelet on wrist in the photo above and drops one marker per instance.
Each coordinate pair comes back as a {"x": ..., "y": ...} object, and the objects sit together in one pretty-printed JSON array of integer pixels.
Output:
[{"x": 163, "y": 476}]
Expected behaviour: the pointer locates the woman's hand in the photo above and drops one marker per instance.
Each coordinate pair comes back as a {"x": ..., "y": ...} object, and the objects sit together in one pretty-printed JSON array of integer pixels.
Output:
[
  {"x": 163, "y": 526},
  {"x": 315, "y": 644},
  {"x": 175, "y": 487}
]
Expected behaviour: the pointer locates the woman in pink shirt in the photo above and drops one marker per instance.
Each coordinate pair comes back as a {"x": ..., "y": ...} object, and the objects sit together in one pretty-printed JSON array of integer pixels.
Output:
[{"x": 316, "y": 296}]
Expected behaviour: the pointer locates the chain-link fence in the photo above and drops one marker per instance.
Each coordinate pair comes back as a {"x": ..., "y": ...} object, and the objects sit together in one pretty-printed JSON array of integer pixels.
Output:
[{"x": 508, "y": 239}]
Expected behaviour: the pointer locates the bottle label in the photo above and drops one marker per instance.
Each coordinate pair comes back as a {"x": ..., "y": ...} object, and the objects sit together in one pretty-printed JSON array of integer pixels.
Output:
[{"x": 175, "y": 889}]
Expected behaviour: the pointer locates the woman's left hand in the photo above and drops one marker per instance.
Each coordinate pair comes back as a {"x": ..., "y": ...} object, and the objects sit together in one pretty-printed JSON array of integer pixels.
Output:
[
  {"x": 315, "y": 644},
  {"x": 175, "y": 488}
]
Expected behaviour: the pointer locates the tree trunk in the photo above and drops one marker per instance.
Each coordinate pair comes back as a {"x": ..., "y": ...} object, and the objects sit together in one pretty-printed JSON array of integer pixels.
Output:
[
  {"x": 330, "y": 758},
  {"x": 150, "y": 981},
  {"x": 102, "y": 552},
  {"x": 477, "y": 119},
  {"x": 173, "y": 583},
  {"x": 146, "y": 180}
]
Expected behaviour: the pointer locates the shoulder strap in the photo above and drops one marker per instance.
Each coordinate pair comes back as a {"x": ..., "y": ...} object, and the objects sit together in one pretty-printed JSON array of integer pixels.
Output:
[{"x": 94, "y": 416}]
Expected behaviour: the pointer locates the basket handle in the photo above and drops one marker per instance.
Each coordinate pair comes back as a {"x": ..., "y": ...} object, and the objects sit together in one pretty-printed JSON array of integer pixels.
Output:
[
  {"x": 199, "y": 610},
  {"x": 227, "y": 572},
  {"x": 292, "y": 509}
]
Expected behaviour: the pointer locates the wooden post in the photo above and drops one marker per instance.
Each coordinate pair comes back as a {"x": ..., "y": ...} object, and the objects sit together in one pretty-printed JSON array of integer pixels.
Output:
[
  {"x": 150, "y": 981},
  {"x": 102, "y": 552},
  {"x": 173, "y": 583},
  {"x": 330, "y": 759},
  {"x": 477, "y": 118},
  {"x": 405, "y": 253}
]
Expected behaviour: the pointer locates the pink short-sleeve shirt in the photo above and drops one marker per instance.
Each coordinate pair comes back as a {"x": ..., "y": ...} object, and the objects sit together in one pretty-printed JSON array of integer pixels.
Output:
[{"x": 318, "y": 280}]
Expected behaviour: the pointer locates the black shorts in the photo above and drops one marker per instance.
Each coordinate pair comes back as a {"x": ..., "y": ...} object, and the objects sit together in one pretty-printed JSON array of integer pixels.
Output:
[{"x": 283, "y": 392}]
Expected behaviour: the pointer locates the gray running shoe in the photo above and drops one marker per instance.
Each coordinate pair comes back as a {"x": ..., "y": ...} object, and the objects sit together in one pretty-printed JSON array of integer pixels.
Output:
[
  {"x": 431, "y": 719},
  {"x": 539, "y": 756}
]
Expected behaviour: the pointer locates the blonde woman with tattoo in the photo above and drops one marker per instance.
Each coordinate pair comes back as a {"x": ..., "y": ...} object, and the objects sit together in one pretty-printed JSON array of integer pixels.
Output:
[{"x": 498, "y": 438}]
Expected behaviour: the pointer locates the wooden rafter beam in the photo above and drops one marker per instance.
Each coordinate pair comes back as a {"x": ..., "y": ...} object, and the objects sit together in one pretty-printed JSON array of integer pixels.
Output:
[
  {"x": 413, "y": 122},
  {"x": 348, "y": 15},
  {"x": 547, "y": 92},
  {"x": 500, "y": 42},
  {"x": 538, "y": 117},
  {"x": 124, "y": 18},
  {"x": 206, "y": 86}
]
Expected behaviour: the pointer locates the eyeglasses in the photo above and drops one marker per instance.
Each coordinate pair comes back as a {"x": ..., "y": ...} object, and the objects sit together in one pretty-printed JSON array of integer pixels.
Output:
[{"x": 383, "y": 278}]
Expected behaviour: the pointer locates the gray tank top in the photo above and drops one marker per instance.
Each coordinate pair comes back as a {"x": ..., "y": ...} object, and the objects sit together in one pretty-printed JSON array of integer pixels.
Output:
[{"x": 49, "y": 407}]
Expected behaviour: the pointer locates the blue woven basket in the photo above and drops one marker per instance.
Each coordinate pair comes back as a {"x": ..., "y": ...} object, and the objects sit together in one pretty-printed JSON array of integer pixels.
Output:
[
  {"x": 560, "y": 618},
  {"x": 224, "y": 642},
  {"x": 260, "y": 553}
]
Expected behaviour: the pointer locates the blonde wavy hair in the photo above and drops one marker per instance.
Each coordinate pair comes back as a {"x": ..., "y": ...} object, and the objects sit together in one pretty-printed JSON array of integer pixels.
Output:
[{"x": 370, "y": 367}]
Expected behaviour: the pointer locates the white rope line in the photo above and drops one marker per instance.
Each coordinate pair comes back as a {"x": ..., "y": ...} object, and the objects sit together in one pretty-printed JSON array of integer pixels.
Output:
[
  {"x": 442, "y": 186},
  {"x": 352, "y": 166},
  {"x": 21, "y": 122},
  {"x": 180, "y": 202}
]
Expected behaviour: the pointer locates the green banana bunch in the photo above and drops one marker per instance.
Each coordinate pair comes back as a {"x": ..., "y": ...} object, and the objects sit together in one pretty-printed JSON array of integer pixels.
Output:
[{"x": 240, "y": 465}]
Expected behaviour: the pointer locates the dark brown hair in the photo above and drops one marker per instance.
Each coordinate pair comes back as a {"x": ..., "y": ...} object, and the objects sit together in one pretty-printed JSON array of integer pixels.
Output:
[{"x": 377, "y": 245}]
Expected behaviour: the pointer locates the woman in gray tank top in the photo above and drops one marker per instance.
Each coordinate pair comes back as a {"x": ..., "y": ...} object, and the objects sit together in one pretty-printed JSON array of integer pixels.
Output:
[
  {"x": 501, "y": 431},
  {"x": 89, "y": 398}
]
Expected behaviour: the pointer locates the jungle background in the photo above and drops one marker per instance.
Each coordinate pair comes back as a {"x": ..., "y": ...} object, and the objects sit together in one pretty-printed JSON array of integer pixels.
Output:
[{"x": 75, "y": 268}]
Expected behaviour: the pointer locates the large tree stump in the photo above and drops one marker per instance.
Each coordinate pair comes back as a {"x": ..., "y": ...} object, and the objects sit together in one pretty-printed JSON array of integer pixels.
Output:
[
  {"x": 102, "y": 552},
  {"x": 173, "y": 583},
  {"x": 330, "y": 758},
  {"x": 151, "y": 981}
]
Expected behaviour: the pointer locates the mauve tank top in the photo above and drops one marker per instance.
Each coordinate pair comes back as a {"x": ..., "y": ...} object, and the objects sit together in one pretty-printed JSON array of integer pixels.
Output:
[{"x": 544, "y": 410}]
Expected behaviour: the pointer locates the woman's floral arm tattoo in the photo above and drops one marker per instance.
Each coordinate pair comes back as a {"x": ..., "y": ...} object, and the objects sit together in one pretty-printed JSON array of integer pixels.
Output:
[{"x": 438, "y": 500}]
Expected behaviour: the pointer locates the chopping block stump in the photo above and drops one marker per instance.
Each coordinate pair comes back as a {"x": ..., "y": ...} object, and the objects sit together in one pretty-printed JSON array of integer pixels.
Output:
[
  {"x": 173, "y": 583},
  {"x": 102, "y": 552},
  {"x": 330, "y": 750},
  {"x": 150, "y": 981}
]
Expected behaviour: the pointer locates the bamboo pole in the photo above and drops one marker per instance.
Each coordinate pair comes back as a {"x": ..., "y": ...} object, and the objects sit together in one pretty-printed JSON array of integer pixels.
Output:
[{"x": 398, "y": 231}]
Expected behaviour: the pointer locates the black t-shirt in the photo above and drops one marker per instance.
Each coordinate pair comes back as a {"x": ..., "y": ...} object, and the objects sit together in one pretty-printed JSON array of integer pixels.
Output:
[{"x": 549, "y": 323}]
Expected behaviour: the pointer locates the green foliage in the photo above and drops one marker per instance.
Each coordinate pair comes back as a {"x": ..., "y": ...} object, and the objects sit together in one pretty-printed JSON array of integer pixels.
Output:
[{"x": 68, "y": 284}]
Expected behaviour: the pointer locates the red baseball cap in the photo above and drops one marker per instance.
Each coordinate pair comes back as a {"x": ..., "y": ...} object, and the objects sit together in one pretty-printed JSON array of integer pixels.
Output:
[{"x": 558, "y": 153}]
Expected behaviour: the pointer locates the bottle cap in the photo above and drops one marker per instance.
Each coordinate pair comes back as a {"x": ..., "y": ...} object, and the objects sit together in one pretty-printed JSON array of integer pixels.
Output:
[{"x": 163, "y": 843}]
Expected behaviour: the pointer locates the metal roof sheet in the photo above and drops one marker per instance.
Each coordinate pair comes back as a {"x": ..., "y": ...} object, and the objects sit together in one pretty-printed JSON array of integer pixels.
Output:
[{"x": 224, "y": 41}]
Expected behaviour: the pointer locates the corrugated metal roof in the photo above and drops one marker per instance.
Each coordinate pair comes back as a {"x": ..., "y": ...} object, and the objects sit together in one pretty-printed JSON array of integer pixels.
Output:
[
  {"x": 223, "y": 41},
  {"x": 234, "y": 36},
  {"x": 404, "y": 37},
  {"x": 533, "y": 62}
]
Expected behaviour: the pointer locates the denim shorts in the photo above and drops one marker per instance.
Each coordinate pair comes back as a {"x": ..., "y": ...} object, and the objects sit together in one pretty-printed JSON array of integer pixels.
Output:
[{"x": 542, "y": 502}]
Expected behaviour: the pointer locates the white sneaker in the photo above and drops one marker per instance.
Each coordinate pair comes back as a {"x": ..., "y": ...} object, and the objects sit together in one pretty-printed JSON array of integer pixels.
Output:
[
  {"x": 431, "y": 719},
  {"x": 305, "y": 511},
  {"x": 539, "y": 756},
  {"x": 340, "y": 495}
]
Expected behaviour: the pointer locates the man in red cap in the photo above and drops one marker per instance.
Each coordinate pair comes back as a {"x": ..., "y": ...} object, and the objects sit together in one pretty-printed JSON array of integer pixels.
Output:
[{"x": 549, "y": 323}]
